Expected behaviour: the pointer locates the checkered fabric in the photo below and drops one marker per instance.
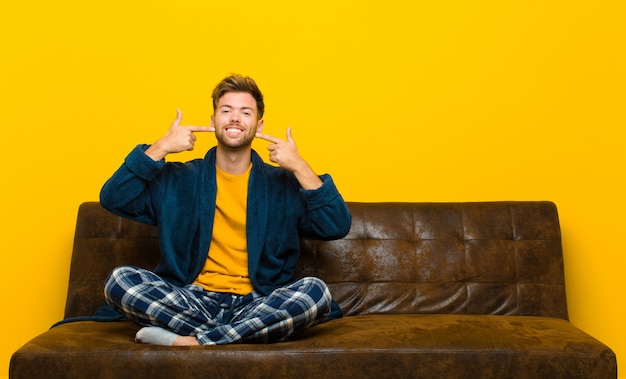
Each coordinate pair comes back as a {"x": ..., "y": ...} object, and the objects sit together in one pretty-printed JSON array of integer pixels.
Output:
[{"x": 217, "y": 318}]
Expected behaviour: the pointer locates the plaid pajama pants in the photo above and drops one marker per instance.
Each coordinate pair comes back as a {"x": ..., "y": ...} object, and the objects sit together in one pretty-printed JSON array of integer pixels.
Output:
[{"x": 217, "y": 318}]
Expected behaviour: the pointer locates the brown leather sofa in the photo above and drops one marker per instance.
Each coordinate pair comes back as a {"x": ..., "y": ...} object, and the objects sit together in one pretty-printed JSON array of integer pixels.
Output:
[{"x": 444, "y": 290}]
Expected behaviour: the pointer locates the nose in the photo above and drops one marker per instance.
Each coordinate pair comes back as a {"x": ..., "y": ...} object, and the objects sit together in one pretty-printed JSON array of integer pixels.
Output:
[{"x": 234, "y": 117}]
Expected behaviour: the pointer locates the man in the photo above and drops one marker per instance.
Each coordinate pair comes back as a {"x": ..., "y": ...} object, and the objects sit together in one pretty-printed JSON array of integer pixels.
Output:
[{"x": 229, "y": 228}]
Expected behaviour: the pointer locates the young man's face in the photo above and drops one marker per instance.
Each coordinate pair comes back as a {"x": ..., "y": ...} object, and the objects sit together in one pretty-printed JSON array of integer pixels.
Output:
[{"x": 236, "y": 120}]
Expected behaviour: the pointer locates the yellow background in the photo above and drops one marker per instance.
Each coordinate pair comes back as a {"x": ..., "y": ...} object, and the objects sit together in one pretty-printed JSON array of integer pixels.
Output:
[{"x": 399, "y": 100}]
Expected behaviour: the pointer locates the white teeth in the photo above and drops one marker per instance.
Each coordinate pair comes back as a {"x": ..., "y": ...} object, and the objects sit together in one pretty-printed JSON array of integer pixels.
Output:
[{"x": 233, "y": 130}]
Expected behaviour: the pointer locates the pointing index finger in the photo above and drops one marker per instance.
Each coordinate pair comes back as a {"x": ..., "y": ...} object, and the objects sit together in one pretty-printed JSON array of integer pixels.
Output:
[
  {"x": 192, "y": 128},
  {"x": 268, "y": 138},
  {"x": 201, "y": 128}
]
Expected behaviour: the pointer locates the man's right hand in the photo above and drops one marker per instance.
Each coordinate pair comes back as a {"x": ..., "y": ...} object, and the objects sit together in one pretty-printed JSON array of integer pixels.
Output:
[{"x": 177, "y": 139}]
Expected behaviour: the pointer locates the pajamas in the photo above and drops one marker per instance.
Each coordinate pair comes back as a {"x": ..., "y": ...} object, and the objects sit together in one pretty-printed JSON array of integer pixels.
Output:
[{"x": 217, "y": 318}]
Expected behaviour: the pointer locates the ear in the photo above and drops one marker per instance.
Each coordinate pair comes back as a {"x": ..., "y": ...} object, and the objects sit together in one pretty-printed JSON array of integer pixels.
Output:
[
  {"x": 212, "y": 121},
  {"x": 259, "y": 126}
]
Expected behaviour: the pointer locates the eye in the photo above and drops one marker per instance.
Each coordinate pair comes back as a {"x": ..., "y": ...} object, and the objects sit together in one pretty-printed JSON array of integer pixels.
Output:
[
  {"x": 225, "y": 110},
  {"x": 247, "y": 113}
]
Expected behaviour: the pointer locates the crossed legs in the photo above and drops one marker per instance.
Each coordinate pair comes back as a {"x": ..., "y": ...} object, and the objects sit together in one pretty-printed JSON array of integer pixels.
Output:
[{"x": 190, "y": 315}]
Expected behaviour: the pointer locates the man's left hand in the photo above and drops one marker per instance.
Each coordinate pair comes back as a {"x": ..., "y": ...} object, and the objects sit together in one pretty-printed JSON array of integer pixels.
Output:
[{"x": 285, "y": 153}]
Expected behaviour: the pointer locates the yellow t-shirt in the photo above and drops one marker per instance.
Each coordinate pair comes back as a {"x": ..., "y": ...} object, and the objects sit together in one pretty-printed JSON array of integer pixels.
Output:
[{"x": 226, "y": 267}]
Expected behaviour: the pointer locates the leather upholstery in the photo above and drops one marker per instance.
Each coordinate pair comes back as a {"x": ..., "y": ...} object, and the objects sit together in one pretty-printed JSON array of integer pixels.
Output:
[
  {"x": 450, "y": 290},
  {"x": 488, "y": 258}
]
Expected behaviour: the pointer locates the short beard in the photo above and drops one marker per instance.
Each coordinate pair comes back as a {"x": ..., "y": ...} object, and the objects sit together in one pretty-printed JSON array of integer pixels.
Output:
[{"x": 245, "y": 143}]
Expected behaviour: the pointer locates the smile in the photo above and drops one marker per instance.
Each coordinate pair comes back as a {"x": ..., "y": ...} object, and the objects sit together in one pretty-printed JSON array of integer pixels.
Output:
[{"x": 233, "y": 130}]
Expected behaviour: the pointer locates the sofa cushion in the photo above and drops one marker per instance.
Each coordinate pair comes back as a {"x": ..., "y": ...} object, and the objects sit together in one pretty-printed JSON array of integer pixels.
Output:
[{"x": 368, "y": 346}]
